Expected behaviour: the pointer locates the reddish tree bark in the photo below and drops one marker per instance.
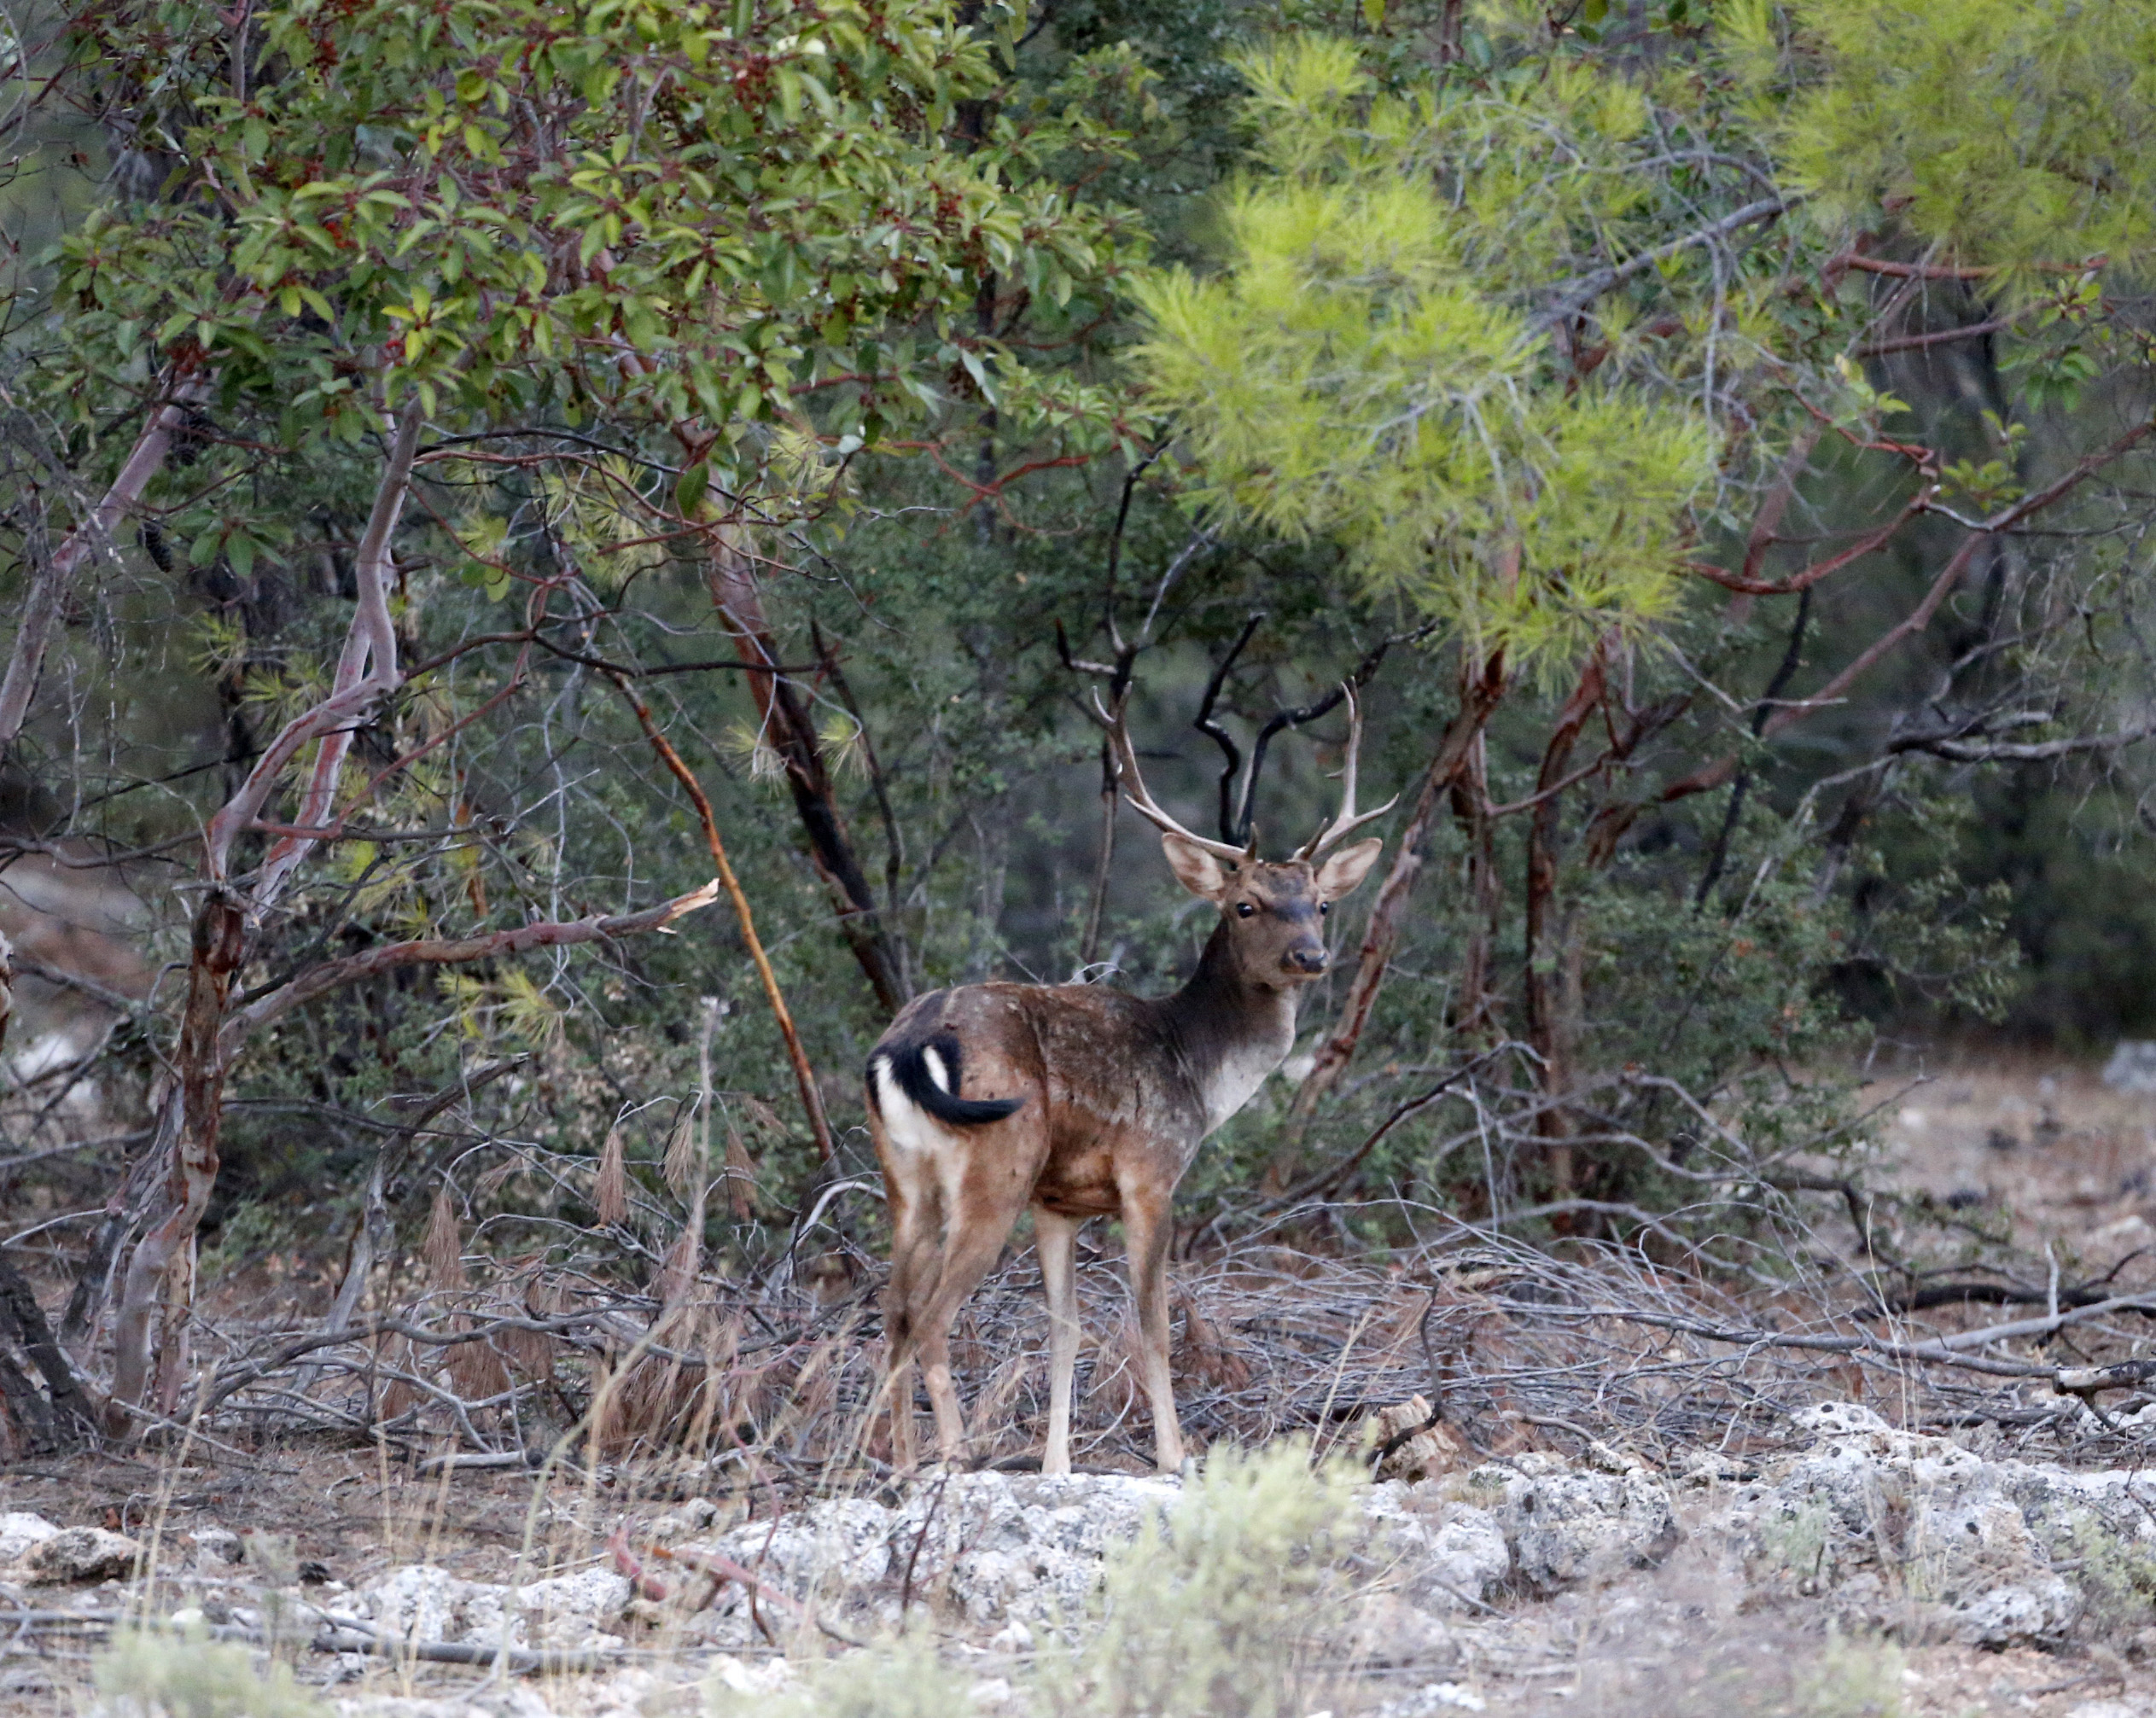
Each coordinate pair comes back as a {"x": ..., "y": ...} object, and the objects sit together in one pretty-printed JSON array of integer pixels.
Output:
[
  {"x": 788, "y": 727},
  {"x": 1481, "y": 691}
]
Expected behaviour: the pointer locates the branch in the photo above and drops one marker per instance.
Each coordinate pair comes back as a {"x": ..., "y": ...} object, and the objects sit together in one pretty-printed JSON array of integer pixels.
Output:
[
  {"x": 1910, "y": 342},
  {"x": 1577, "y": 295},
  {"x": 1750, "y": 585},
  {"x": 1960, "y": 751},
  {"x": 333, "y": 975},
  {"x": 1713, "y": 775},
  {"x": 811, "y": 1096},
  {"x": 366, "y": 671},
  {"x": 49, "y": 589}
]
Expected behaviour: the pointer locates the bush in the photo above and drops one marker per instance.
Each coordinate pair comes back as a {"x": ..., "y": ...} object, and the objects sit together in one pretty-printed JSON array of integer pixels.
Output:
[{"x": 159, "y": 1676}]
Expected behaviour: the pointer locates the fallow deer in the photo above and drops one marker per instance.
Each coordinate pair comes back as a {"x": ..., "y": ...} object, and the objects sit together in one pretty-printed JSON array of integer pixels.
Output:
[{"x": 1082, "y": 1101}]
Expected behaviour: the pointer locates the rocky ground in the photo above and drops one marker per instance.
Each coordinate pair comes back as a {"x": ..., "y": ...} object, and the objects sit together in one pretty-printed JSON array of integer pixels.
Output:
[
  {"x": 1833, "y": 1567},
  {"x": 1863, "y": 1569}
]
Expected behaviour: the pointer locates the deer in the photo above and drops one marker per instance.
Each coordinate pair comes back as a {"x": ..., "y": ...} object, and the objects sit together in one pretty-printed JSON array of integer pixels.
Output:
[{"x": 1077, "y": 1101}]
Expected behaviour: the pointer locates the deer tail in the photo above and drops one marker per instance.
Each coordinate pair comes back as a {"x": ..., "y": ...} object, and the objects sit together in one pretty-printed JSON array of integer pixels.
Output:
[{"x": 927, "y": 1073}]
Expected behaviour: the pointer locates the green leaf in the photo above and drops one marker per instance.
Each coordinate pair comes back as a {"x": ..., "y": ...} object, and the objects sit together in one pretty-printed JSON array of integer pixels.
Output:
[{"x": 689, "y": 488}]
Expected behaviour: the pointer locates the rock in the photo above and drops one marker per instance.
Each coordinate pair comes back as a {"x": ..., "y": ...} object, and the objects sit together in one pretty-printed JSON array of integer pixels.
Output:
[
  {"x": 696, "y": 1516},
  {"x": 421, "y": 1602},
  {"x": 214, "y": 1547},
  {"x": 1988, "y": 1546},
  {"x": 1564, "y": 1525},
  {"x": 2132, "y": 1066},
  {"x": 1433, "y": 1699},
  {"x": 739, "y": 1676},
  {"x": 571, "y": 1611},
  {"x": 84, "y": 1553},
  {"x": 1446, "y": 1555},
  {"x": 19, "y": 1532}
]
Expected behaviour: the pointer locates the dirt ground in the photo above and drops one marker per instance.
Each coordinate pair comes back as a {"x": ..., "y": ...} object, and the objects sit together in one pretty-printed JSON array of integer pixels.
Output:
[
  {"x": 2007, "y": 1147},
  {"x": 2026, "y": 1149}
]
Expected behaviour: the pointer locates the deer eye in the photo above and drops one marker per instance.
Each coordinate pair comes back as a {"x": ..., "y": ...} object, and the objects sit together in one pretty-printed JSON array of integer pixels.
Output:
[
  {"x": 1324, "y": 906},
  {"x": 1244, "y": 909}
]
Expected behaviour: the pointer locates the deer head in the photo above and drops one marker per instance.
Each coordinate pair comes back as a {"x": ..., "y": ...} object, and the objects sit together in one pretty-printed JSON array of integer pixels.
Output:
[{"x": 1275, "y": 910}]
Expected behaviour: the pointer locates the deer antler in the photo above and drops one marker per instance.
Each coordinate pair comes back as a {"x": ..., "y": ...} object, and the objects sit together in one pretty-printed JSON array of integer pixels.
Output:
[
  {"x": 1347, "y": 822},
  {"x": 1142, "y": 801}
]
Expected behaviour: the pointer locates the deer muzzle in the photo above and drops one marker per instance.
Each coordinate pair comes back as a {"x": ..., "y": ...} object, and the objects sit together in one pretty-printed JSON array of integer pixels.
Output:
[{"x": 1307, "y": 957}]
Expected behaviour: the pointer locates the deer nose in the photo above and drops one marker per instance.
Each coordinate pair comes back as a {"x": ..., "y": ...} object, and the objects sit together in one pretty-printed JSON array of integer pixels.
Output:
[{"x": 1306, "y": 958}]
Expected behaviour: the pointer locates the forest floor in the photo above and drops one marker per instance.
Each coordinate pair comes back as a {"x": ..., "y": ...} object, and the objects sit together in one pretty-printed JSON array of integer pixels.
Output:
[{"x": 2009, "y": 1151}]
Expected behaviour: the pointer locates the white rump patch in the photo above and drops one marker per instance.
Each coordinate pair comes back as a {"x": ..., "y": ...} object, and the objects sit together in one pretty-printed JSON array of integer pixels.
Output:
[{"x": 906, "y": 1126}]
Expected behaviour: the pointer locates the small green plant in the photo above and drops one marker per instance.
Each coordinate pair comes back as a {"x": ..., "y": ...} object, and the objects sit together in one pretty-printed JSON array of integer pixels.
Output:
[
  {"x": 145, "y": 1675},
  {"x": 899, "y": 1679},
  {"x": 2118, "y": 1579},
  {"x": 1851, "y": 1679},
  {"x": 1212, "y": 1612},
  {"x": 1798, "y": 1541}
]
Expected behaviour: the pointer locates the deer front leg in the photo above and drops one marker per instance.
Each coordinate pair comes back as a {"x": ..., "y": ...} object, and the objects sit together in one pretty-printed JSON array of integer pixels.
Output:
[
  {"x": 1147, "y": 1226},
  {"x": 1056, "y": 1241}
]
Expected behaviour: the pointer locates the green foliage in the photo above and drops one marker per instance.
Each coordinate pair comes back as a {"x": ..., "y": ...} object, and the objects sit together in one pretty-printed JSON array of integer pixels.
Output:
[
  {"x": 145, "y": 1675},
  {"x": 1213, "y": 1612},
  {"x": 646, "y": 212},
  {"x": 1360, "y": 367},
  {"x": 2010, "y": 133}
]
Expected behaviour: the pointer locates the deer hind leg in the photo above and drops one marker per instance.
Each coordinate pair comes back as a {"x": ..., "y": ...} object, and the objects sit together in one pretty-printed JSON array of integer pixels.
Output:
[
  {"x": 916, "y": 1258},
  {"x": 1056, "y": 1241},
  {"x": 1148, "y": 1231},
  {"x": 978, "y": 1213}
]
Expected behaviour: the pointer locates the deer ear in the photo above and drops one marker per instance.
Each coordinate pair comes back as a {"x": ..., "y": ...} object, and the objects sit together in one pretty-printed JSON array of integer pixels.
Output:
[
  {"x": 1339, "y": 875},
  {"x": 1196, "y": 869}
]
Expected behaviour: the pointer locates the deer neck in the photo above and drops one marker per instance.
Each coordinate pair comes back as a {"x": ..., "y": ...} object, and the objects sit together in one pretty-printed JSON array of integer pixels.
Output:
[{"x": 1231, "y": 1033}]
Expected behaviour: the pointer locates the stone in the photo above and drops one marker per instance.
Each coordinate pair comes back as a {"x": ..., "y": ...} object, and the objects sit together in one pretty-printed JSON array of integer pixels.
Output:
[
  {"x": 422, "y": 1602},
  {"x": 1564, "y": 1526},
  {"x": 1445, "y": 1555},
  {"x": 213, "y": 1548},
  {"x": 2132, "y": 1066},
  {"x": 84, "y": 1553},
  {"x": 20, "y": 1531},
  {"x": 2005, "y": 1553},
  {"x": 1433, "y": 1699}
]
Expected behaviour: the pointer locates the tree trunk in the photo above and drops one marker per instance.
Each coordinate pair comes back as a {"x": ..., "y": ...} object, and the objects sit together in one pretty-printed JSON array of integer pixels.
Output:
[
  {"x": 220, "y": 948},
  {"x": 1546, "y": 1033},
  {"x": 51, "y": 586},
  {"x": 1480, "y": 693},
  {"x": 788, "y": 728},
  {"x": 1475, "y": 1010}
]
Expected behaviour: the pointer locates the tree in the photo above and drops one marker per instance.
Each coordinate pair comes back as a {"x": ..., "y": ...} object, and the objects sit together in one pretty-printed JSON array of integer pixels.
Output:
[
  {"x": 1518, "y": 334},
  {"x": 565, "y": 241}
]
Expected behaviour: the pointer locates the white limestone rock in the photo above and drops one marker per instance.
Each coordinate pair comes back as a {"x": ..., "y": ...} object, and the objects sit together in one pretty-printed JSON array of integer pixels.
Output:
[
  {"x": 1564, "y": 1525},
  {"x": 78, "y": 1554},
  {"x": 20, "y": 1531}
]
